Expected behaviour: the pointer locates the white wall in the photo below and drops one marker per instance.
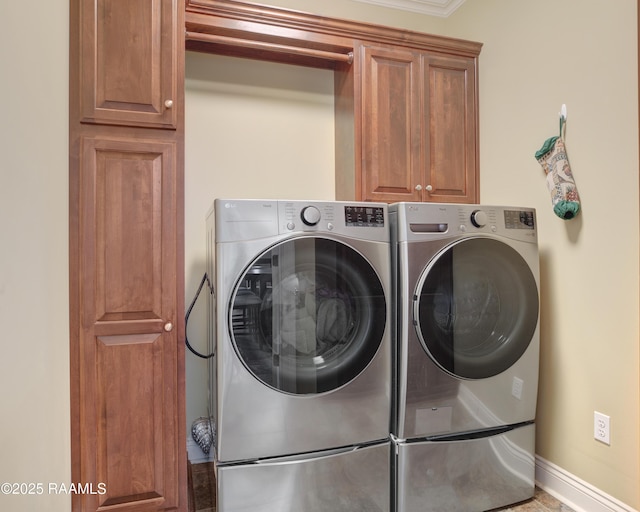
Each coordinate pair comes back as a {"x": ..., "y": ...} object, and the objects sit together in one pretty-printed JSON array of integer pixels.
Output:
[
  {"x": 34, "y": 276},
  {"x": 254, "y": 130}
]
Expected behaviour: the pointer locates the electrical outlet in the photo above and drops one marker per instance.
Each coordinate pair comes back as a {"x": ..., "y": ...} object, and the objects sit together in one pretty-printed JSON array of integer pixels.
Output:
[{"x": 601, "y": 428}]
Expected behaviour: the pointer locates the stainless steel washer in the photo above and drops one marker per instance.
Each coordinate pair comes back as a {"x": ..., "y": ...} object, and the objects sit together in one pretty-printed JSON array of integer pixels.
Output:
[
  {"x": 466, "y": 359},
  {"x": 303, "y": 355}
]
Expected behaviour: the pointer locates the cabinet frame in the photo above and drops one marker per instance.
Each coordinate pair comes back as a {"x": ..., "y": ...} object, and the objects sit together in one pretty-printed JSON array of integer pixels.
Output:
[{"x": 126, "y": 257}]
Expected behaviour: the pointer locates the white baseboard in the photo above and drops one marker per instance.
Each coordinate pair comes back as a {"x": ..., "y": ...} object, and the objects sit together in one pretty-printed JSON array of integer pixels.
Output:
[
  {"x": 195, "y": 453},
  {"x": 578, "y": 494}
]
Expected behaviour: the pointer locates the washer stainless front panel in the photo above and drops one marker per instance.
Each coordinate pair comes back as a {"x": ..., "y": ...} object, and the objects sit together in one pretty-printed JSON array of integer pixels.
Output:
[
  {"x": 467, "y": 317},
  {"x": 303, "y": 326},
  {"x": 355, "y": 480}
]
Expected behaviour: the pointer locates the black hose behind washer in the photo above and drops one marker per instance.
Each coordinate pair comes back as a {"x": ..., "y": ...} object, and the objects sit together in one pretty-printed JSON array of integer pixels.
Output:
[{"x": 186, "y": 318}]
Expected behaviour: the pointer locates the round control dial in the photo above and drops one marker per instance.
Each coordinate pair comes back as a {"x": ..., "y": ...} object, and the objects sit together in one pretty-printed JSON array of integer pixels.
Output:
[
  {"x": 310, "y": 215},
  {"x": 479, "y": 218}
]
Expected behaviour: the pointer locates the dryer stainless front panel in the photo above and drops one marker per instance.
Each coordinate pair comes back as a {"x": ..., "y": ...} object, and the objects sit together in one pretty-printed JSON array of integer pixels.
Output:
[
  {"x": 466, "y": 476},
  {"x": 467, "y": 318}
]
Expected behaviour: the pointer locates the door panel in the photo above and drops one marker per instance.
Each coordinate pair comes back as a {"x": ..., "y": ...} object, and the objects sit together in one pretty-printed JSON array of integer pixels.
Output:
[
  {"x": 391, "y": 125},
  {"x": 128, "y": 347},
  {"x": 128, "y": 62},
  {"x": 128, "y": 434},
  {"x": 308, "y": 315},
  {"x": 449, "y": 102},
  {"x": 476, "y": 308}
]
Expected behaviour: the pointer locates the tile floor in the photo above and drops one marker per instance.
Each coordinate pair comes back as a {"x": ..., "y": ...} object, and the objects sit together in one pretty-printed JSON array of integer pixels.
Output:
[
  {"x": 541, "y": 502},
  {"x": 202, "y": 495}
]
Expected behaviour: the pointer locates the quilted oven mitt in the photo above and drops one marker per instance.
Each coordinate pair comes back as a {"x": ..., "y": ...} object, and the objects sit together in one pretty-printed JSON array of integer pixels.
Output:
[{"x": 552, "y": 156}]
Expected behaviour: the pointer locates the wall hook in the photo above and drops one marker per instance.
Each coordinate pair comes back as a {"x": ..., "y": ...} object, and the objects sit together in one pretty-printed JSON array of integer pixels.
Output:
[{"x": 563, "y": 112}]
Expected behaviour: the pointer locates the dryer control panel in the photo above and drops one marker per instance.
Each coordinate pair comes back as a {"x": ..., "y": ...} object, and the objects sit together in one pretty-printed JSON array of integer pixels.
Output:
[
  {"x": 430, "y": 221},
  {"x": 519, "y": 219}
]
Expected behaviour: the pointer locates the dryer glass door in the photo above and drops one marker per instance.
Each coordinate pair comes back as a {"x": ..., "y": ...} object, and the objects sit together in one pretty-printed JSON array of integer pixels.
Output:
[
  {"x": 476, "y": 308},
  {"x": 308, "y": 315}
]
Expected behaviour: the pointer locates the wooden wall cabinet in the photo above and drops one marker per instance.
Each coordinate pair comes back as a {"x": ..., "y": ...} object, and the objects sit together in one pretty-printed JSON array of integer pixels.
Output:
[
  {"x": 418, "y": 116},
  {"x": 126, "y": 254},
  {"x": 129, "y": 62}
]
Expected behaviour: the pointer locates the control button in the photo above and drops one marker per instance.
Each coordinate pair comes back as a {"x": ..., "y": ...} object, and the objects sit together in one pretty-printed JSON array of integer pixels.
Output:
[
  {"x": 291, "y": 226},
  {"x": 330, "y": 226},
  {"x": 463, "y": 228},
  {"x": 310, "y": 215},
  {"x": 479, "y": 218}
]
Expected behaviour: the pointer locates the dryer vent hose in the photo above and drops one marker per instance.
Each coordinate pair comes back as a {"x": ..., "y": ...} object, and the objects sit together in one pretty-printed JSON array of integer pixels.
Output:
[{"x": 205, "y": 278}]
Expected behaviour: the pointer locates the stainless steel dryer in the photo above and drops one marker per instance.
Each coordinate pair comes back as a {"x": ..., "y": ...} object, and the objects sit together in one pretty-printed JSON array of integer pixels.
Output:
[
  {"x": 303, "y": 355},
  {"x": 467, "y": 352}
]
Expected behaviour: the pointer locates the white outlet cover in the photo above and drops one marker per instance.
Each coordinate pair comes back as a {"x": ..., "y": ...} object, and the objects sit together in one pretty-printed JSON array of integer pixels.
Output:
[{"x": 602, "y": 428}]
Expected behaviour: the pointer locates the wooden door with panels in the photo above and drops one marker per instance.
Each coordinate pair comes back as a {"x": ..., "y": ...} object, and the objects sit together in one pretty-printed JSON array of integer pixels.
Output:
[
  {"x": 450, "y": 136},
  {"x": 126, "y": 254},
  {"x": 391, "y": 131}
]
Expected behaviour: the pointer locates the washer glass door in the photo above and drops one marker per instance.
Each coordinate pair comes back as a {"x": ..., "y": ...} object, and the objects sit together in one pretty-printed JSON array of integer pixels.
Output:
[
  {"x": 476, "y": 308},
  {"x": 308, "y": 315}
]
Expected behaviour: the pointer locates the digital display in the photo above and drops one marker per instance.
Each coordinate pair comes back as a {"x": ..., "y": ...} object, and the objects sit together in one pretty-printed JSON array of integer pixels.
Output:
[
  {"x": 364, "y": 216},
  {"x": 519, "y": 219}
]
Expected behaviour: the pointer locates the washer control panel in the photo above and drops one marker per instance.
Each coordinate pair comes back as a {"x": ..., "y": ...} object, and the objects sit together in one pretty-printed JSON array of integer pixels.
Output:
[
  {"x": 366, "y": 216},
  {"x": 249, "y": 219},
  {"x": 360, "y": 220}
]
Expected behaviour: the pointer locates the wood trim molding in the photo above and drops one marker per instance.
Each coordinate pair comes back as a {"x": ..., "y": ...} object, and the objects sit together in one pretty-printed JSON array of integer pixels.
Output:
[{"x": 265, "y": 23}]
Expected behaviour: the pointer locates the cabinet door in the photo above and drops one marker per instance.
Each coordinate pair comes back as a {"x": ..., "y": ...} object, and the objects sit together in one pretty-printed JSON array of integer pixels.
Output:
[
  {"x": 127, "y": 353},
  {"x": 128, "y": 62},
  {"x": 450, "y": 121},
  {"x": 390, "y": 125}
]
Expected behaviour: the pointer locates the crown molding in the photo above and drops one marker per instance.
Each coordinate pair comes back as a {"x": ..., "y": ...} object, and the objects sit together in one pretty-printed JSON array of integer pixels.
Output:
[{"x": 442, "y": 8}]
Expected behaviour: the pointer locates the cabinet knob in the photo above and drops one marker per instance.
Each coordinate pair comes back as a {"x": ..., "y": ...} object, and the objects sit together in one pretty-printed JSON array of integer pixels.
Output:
[
  {"x": 168, "y": 327},
  {"x": 418, "y": 188},
  {"x": 168, "y": 103},
  {"x": 428, "y": 188}
]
